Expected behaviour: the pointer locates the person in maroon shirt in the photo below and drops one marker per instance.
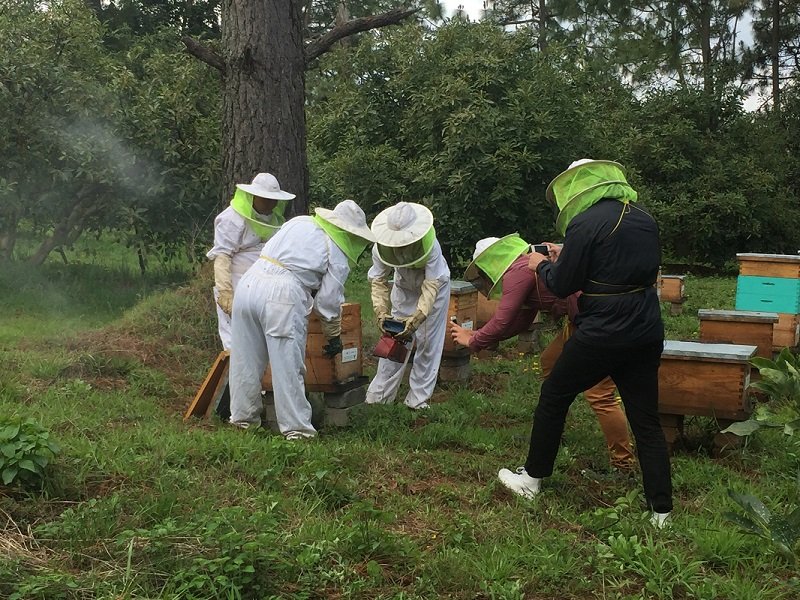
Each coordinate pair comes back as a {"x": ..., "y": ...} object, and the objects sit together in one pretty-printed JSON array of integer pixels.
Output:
[{"x": 523, "y": 296}]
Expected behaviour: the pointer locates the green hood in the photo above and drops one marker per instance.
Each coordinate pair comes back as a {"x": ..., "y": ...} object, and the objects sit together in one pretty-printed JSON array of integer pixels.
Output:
[
  {"x": 582, "y": 186},
  {"x": 352, "y": 245},
  {"x": 495, "y": 260},
  {"x": 242, "y": 203}
]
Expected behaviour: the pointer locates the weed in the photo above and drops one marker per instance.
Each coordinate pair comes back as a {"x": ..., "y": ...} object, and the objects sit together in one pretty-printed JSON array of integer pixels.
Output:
[{"x": 25, "y": 451}]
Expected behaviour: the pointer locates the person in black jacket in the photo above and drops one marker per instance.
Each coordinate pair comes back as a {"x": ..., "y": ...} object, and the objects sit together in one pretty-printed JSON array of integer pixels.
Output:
[{"x": 611, "y": 252}]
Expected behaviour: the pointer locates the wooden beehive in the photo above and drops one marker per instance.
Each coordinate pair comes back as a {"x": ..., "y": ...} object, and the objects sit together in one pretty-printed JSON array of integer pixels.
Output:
[
  {"x": 672, "y": 288},
  {"x": 739, "y": 327},
  {"x": 325, "y": 374},
  {"x": 771, "y": 282},
  {"x": 464, "y": 307},
  {"x": 705, "y": 379},
  {"x": 485, "y": 311},
  {"x": 769, "y": 265}
]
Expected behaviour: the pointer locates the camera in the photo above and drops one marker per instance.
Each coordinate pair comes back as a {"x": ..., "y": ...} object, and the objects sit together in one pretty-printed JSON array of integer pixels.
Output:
[{"x": 541, "y": 249}]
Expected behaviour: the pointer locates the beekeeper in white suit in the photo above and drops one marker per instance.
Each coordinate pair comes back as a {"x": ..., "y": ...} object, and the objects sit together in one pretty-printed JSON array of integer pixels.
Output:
[
  {"x": 255, "y": 214},
  {"x": 406, "y": 248},
  {"x": 302, "y": 267}
]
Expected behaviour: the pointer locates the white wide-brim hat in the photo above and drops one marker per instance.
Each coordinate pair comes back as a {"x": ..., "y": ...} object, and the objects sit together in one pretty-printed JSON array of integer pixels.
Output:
[
  {"x": 265, "y": 185},
  {"x": 402, "y": 224},
  {"x": 550, "y": 194},
  {"x": 347, "y": 215}
]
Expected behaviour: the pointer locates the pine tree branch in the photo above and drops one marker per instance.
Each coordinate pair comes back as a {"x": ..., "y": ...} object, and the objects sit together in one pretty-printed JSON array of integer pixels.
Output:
[
  {"x": 323, "y": 43},
  {"x": 204, "y": 53}
]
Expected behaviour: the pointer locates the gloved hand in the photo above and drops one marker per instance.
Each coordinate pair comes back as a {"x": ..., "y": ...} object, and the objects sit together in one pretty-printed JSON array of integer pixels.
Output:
[
  {"x": 223, "y": 281},
  {"x": 380, "y": 318},
  {"x": 333, "y": 347},
  {"x": 380, "y": 295},
  {"x": 225, "y": 300},
  {"x": 412, "y": 323}
]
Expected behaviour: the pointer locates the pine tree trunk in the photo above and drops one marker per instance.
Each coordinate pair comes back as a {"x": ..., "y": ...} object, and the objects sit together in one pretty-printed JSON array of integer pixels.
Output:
[{"x": 263, "y": 120}]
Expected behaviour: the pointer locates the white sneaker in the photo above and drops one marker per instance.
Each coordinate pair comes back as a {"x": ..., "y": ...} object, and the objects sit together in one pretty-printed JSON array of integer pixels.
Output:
[
  {"x": 660, "y": 520},
  {"x": 420, "y": 406},
  {"x": 297, "y": 435},
  {"x": 520, "y": 482}
]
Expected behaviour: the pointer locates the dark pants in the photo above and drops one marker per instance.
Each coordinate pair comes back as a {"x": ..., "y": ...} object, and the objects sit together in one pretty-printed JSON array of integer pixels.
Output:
[{"x": 635, "y": 371}]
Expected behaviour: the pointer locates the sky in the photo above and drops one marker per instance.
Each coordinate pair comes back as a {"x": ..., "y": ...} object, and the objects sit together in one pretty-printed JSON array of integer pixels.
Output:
[{"x": 472, "y": 7}]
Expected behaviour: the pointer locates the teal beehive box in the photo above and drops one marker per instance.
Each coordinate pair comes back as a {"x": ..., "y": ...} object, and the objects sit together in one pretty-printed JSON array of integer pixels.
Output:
[{"x": 771, "y": 283}]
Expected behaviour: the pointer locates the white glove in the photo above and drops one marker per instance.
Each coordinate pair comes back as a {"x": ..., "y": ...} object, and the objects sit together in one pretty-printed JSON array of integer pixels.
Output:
[
  {"x": 223, "y": 282},
  {"x": 381, "y": 300},
  {"x": 430, "y": 289}
]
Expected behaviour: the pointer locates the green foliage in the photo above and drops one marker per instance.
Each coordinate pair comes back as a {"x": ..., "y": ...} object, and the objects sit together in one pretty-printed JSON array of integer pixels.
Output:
[
  {"x": 471, "y": 121},
  {"x": 25, "y": 451},
  {"x": 780, "y": 532},
  {"x": 780, "y": 380}
]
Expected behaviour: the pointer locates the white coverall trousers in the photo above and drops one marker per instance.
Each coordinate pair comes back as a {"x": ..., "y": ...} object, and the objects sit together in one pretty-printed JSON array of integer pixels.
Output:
[
  {"x": 270, "y": 325},
  {"x": 429, "y": 343},
  {"x": 240, "y": 262}
]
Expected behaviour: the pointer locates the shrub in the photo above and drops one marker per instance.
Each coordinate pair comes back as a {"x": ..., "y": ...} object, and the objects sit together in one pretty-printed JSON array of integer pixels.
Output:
[{"x": 25, "y": 451}]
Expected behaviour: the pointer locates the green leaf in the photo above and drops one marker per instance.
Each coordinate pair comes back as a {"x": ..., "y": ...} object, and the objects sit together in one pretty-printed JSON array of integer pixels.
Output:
[
  {"x": 9, "y": 474},
  {"x": 9, "y": 432},
  {"x": 28, "y": 465},
  {"x": 742, "y": 428},
  {"x": 8, "y": 450}
]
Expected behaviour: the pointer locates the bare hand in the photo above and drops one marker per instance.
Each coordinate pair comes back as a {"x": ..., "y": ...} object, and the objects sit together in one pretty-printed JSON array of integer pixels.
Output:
[
  {"x": 460, "y": 335},
  {"x": 535, "y": 260},
  {"x": 555, "y": 250}
]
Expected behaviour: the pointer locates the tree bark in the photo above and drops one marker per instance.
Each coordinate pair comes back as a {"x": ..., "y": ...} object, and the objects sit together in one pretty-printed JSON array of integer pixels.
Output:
[
  {"x": 263, "y": 107},
  {"x": 774, "y": 56}
]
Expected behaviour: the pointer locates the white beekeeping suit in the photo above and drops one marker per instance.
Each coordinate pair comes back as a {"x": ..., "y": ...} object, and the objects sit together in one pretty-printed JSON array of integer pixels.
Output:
[
  {"x": 303, "y": 267},
  {"x": 407, "y": 249},
  {"x": 254, "y": 215}
]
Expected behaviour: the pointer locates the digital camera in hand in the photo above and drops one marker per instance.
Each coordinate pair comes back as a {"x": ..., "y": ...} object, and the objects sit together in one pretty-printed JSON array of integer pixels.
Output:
[{"x": 541, "y": 249}]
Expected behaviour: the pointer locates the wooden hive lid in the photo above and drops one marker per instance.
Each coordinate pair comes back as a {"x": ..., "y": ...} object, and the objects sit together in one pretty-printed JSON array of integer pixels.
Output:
[
  {"x": 458, "y": 288},
  {"x": 708, "y": 351},
  {"x": 742, "y": 316},
  {"x": 785, "y": 258}
]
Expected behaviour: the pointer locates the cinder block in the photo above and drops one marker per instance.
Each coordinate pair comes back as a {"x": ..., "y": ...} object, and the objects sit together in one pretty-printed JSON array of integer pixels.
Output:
[
  {"x": 316, "y": 399},
  {"x": 346, "y": 399},
  {"x": 338, "y": 417}
]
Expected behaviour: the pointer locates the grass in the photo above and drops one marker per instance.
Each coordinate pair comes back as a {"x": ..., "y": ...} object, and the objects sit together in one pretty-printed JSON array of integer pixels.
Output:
[{"x": 396, "y": 505}]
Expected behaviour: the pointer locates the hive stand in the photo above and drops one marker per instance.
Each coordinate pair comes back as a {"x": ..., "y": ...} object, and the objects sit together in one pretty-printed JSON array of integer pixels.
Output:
[
  {"x": 704, "y": 379},
  {"x": 771, "y": 282}
]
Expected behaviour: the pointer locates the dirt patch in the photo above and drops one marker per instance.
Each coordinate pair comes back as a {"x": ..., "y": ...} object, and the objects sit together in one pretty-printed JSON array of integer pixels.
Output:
[{"x": 488, "y": 383}]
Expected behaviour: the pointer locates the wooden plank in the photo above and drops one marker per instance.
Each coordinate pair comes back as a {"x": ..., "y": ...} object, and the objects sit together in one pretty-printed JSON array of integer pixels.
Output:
[{"x": 212, "y": 388}]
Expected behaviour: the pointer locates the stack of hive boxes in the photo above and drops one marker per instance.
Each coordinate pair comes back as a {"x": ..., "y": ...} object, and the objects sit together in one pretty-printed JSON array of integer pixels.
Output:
[
  {"x": 771, "y": 282},
  {"x": 463, "y": 310}
]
